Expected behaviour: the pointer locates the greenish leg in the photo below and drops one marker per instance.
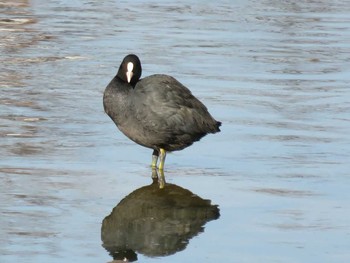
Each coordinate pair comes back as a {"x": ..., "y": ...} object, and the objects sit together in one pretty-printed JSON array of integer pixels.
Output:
[
  {"x": 162, "y": 155},
  {"x": 154, "y": 174},
  {"x": 161, "y": 179},
  {"x": 154, "y": 159}
]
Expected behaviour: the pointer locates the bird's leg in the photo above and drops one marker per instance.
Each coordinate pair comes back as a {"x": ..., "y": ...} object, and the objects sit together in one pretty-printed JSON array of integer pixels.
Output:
[
  {"x": 154, "y": 174},
  {"x": 162, "y": 159},
  {"x": 161, "y": 179},
  {"x": 154, "y": 159}
]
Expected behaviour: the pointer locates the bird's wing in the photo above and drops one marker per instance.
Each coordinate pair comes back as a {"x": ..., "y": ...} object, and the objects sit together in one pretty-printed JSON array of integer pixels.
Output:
[{"x": 166, "y": 106}]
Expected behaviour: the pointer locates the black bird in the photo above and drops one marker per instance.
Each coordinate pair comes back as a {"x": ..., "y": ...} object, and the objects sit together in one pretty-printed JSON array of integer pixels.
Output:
[{"x": 157, "y": 112}]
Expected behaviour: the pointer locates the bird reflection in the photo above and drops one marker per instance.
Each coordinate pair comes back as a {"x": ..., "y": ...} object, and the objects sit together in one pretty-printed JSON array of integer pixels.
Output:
[{"x": 155, "y": 221}]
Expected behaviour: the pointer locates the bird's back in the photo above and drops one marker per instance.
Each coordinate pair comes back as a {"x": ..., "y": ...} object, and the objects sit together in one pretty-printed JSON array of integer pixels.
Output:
[{"x": 168, "y": 110}]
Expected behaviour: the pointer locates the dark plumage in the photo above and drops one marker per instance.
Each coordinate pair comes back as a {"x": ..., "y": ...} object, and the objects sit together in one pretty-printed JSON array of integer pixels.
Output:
[{"x": 157, "y": 112}]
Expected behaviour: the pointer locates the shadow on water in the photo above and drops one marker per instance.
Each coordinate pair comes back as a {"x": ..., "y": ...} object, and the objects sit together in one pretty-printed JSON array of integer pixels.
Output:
[{"x": 155, "y": 221}]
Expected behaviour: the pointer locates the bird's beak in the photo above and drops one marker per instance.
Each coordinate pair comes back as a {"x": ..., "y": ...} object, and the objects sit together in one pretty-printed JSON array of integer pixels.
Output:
[{"x": 129, "y": 72}]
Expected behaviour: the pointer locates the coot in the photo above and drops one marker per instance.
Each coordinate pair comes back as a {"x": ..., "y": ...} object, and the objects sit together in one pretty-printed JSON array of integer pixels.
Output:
[{"x": 157, "y": 112}]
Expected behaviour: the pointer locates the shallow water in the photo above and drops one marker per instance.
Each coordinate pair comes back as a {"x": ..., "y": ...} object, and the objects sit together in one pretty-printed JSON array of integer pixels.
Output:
[{"x": 276, "y": 73}]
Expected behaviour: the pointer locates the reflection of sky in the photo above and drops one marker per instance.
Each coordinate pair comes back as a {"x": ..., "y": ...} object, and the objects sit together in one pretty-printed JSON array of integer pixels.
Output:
[{"x": 273, "y": 72}]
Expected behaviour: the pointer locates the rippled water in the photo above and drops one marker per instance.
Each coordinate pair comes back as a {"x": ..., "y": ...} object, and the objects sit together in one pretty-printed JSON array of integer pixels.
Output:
[{"x": 276, "y": 73}]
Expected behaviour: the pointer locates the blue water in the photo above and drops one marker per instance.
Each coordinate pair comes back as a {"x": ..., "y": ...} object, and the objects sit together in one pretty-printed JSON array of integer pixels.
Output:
[{"x": 276, "y": 73}]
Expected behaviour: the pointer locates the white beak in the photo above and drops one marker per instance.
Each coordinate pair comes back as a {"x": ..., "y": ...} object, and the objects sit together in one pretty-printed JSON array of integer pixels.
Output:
[{"x": 129, "y": 73}]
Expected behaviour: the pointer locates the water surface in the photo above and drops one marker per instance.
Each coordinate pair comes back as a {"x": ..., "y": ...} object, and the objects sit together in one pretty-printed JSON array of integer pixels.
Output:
[{"x": 276, "y": 74}]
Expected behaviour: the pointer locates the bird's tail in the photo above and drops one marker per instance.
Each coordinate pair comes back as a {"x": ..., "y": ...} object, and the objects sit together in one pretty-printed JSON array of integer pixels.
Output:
[{"x": 218, "y": 124}]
